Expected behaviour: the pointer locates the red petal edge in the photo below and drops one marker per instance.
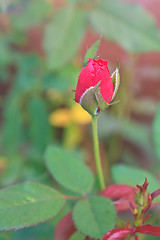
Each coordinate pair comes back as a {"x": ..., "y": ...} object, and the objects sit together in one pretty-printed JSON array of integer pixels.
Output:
[
  {"x": 121, "y": 192},
  {"x": 116, "y": 191},
  {"x": 65, "y": 228},
  {"x": 87, "y": 238},
  {"x": 149, "y": 229},
  {"x": 117, "y": 234},
  {"x": 155, "y": 194}
]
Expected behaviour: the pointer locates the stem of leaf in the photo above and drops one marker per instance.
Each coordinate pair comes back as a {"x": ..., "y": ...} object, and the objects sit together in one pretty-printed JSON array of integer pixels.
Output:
[
  {"x": 97, "y": 154},
  {"x": 74, "y": 197}
]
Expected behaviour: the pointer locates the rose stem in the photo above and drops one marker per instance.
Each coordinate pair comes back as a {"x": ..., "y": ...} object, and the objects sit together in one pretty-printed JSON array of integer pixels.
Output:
[{"x": 97, "y": 154}]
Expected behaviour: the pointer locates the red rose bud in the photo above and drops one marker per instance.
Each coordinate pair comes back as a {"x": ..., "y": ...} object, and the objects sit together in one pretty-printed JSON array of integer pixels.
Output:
[{"x": 96, "y": 88}]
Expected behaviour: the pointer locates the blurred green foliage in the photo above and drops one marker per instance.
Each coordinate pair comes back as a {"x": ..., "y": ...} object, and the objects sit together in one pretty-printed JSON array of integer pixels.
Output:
[
  {"x": 37, "y": 82},
  {"x": 127, "y": 24}
]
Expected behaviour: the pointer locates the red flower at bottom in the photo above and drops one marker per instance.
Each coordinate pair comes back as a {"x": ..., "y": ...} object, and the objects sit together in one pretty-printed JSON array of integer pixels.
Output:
[
  {"x": 140, "y": 206},
  {"x": 120, "y": 233}
]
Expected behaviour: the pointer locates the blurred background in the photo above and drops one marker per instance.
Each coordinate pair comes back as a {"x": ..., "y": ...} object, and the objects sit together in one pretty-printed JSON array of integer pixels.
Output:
[{"x": 42, "y": 46}]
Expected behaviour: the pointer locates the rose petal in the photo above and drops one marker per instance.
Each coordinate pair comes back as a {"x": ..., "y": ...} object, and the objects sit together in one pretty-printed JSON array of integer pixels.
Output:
[
  {"x": 144, "y": 187},
  {"x": 155, "y": 194},
  {"x": 87, "y": 238},
  {"x": 95, "y": 71},
  {"x": 136, "y": 238},
  {"x": 116, "y": 191},
  {"x": 149, "y": 202},
  {"x": 117, "y": 234},
  {"x": 124, "y": 194},
  {"x": 65, "y": 228},
  {"x": 149, "y": 229},
  {"x": 123, "y": 205}
]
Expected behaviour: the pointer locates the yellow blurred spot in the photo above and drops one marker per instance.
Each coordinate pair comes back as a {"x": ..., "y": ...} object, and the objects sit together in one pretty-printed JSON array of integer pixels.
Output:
[
  {"x": 53, "y": 94},
  {"x": 3, "y": 163},
  {"x": 79, "y": 115},
  {"x": 60, "y": 118},
  {"x": 64, "y": 117},
  {"x": 135, "y": 211}
]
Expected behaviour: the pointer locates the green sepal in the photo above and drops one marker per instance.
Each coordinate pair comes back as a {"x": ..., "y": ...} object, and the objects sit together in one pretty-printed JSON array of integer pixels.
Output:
[
  {"x": 139, "y": 199},
  {"x": 89, "y": 101},
  {"x": 101, "y": 102},
  {"x": 116, "y": 80},
  {"x": 113, "y": 103},
  {"x": 117, "y": 64},
  {"x": 93, "y": 102}
]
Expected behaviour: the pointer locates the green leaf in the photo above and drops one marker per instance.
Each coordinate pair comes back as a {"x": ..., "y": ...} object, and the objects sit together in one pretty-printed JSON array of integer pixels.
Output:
[
  {"x": 32, "y": 12},
  {"x": 95, "y": 216},
  {"x": 62, "y": 80},
  {"x": 77, "y": 236},
  {"x": 40, "y": 130},
  {"x": 6, "y": 56},
  {"x": 131, "y": 176},
  {"x": 92, "y": 51},
  {"x": 133, "y": 131},
  {"x": 3, "y": 235},
  {"x": 63, "y": 36},
  {"x": 68, "y": 170},
  {"x": 128, "y": 24},
  {"x": 12, "y": 128},
  {"x": 28, "y": 79},
  {"x": 34, "y": 233},
  {"x": 156, "y": 133},
  {"x": 27, "y": 204},
  {"x": 148, "y": 237},
  {"x": 12, "y": 171}
]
